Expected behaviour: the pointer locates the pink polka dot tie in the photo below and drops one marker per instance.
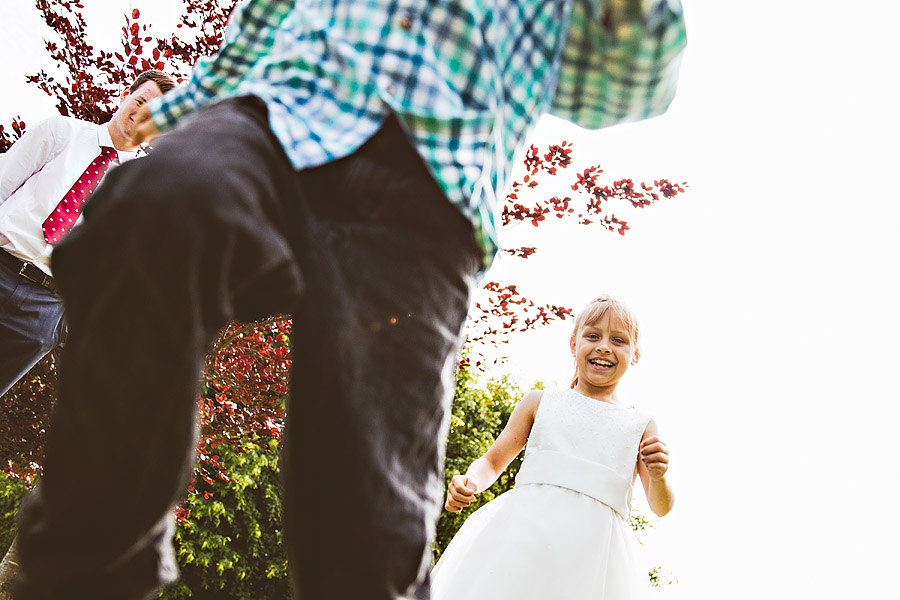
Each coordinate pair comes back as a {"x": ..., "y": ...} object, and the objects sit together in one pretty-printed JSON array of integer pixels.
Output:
[{"x": 66, "y": 212}]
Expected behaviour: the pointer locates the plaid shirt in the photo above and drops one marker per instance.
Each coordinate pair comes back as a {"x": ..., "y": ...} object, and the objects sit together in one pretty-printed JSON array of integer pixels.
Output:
[{"x": 467, "y": 78}]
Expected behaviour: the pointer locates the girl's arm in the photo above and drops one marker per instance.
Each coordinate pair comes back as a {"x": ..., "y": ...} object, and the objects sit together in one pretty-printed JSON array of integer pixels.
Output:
[
  {"x": 485, "y": 470},
  {"x": 653, "y": 463}
]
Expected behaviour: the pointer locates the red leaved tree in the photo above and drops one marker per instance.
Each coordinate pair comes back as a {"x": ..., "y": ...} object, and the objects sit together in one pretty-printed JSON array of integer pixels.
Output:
[
  {"x": 502, "y": 311},
  {"x": 87, "y": 82},
  {"x": 246, "y": 375},
  {"x": 245, "y": 380}
]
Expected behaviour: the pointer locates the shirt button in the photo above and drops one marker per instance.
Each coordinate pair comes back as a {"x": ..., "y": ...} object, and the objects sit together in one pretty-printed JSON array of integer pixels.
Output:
[{"x": 406, "y": 23}]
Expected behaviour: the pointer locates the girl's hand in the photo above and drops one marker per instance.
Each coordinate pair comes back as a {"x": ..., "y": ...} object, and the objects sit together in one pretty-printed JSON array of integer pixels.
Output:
[
  {"x": 655, "y": 455},
  {"x": 460, "y": 492}
]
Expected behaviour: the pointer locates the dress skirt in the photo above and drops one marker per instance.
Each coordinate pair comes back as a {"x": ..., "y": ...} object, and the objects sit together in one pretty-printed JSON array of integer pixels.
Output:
[{"x": 541, "y": 541}]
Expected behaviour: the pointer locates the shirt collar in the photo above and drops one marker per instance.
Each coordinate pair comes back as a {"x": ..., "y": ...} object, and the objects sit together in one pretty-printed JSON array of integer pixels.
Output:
[{"x": 104, "y": 139}]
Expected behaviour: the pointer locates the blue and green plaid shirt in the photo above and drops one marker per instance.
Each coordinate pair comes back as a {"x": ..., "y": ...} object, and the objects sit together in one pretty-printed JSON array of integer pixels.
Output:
[{"x": 467, "y": 78}]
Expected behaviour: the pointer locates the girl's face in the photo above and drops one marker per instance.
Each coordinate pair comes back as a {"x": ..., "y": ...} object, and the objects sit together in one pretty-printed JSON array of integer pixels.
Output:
[{"x": 603, "y": 352}]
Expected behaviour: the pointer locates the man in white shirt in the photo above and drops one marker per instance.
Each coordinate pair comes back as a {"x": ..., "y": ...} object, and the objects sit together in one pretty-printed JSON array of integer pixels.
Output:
[{"x": 45, "y": 178}]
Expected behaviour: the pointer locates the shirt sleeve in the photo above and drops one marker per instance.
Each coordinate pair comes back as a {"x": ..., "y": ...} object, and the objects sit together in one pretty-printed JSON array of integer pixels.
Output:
[
  {"x": 249, "y": 35},
  {"x": 620, "y": 62},
  {"x": 28, "y": 155}
]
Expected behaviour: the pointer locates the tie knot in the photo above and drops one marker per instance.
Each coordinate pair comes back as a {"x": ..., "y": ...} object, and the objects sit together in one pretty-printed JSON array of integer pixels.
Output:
[{"x": 109, "y": 152}]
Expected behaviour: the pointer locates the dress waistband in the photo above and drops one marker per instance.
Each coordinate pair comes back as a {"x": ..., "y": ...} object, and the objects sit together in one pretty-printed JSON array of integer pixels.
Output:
[{"x": 578, "y": 474}]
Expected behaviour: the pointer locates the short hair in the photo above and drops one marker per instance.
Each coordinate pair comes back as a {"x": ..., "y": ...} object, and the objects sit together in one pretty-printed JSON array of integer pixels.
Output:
[
  {"x": 600, "y": 306},
  {"x": 163, "y": 81}
]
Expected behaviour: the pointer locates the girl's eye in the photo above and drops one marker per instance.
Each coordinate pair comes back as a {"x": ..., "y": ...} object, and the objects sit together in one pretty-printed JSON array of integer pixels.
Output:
[{"x": 619, "y": 341}]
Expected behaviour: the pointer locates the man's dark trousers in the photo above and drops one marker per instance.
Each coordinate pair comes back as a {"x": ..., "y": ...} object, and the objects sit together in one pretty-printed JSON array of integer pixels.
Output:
[
  {"x": 31, "y": 325},
  {"x": 374, "y": 264}
]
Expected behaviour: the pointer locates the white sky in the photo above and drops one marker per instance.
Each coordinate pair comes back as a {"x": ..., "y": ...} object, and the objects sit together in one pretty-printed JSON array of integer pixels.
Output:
[{"x": 767, "y": 294}]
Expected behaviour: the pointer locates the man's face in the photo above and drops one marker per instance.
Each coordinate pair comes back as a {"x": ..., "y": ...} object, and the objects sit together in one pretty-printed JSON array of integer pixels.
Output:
[{"x": 124, "y": 118}]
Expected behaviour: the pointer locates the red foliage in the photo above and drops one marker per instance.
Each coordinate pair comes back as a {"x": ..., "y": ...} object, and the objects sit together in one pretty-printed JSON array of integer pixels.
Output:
[
  {"x": 504, "y": 310},
  {"x": 93, "y": 80},
  {"x": 244, "y": 385},
  {"x": 204, "y": 19},
  {"x": 560, "y": 157},
  {"x": 24, "y": 417},
  {"x": 516, "y": 313},
  {"x": 246, "y": 381}
]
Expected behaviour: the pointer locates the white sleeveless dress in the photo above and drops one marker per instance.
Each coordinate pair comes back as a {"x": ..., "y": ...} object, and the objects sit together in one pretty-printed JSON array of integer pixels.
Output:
[{"x": 562, "y": 533}]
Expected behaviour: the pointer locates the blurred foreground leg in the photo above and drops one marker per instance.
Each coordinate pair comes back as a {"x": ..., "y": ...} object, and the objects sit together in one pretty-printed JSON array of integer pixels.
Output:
[{"x": 174, "y": 245}]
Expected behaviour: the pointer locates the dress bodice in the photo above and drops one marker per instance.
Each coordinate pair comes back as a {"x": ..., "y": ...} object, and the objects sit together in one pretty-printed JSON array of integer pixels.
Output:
[
  {"x": 594, "y": 430},
  {"x": 585, "y": 445}
]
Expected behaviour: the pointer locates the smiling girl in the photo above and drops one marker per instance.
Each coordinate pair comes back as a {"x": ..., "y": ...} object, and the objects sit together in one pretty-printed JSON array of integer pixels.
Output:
[{"x": 563, "y": 531}]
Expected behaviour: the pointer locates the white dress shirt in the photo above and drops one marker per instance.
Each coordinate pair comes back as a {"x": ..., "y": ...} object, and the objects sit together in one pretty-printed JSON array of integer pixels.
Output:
[{"x": 37, "y": 172}]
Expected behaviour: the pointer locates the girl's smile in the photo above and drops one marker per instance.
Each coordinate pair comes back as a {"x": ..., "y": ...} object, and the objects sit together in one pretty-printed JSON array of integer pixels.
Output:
[{"x": 602, "y": 363}]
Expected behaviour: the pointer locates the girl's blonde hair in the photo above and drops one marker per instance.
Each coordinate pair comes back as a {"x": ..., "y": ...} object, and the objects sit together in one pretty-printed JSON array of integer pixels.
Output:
[{"x": 596, "y": 309}]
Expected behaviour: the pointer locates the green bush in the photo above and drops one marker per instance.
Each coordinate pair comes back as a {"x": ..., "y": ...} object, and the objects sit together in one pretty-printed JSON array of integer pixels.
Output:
[
  {"x": 477, "y": 416},
  {"x": 12, "y": 491},
  {"x": 229, "y": 545}
]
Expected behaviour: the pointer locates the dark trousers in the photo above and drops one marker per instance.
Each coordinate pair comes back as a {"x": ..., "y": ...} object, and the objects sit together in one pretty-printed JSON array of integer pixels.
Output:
[
  {"x": 31, "y": 325},
  {"x": 374, "y": 264}
]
